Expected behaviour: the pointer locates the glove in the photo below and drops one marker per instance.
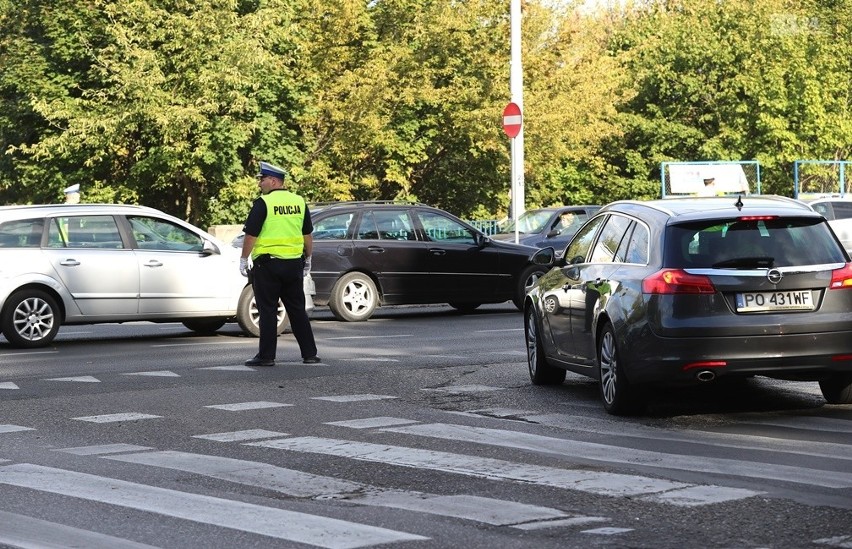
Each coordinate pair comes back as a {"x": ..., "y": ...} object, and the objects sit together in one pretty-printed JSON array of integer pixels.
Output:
[
  {"x": 244, "y": 266},
  {"x": 307, "y": 270}
]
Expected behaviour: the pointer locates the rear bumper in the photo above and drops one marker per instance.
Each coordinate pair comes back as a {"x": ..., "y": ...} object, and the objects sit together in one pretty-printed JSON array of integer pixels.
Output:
[{"x": 658, "y": 360}]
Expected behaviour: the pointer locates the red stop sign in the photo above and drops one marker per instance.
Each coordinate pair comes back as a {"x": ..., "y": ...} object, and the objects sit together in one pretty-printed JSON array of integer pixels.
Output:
[{"x": 512, "y": 120}]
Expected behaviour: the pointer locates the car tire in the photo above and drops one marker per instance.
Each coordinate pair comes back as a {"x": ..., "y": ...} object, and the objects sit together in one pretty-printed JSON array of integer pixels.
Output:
[
  {"x": 354, "y": 297},
  {"x": 465, "y": 307},
  {"x": 541, "y": 371},
  {"x": 248, "y": 316},
  {"x": 837, "y": 389},
  {"x": 619, "y": 397},
  {"x": 529, "y": 276},
  {"x": 204, "y": 325},
  {"x": 30, "y": 319}
]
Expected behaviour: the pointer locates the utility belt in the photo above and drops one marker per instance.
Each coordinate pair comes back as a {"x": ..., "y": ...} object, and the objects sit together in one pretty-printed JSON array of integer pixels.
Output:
[{"x": 266, "y": 258}]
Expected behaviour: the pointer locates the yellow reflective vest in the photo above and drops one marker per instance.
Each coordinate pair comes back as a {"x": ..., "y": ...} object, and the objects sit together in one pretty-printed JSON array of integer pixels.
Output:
[{"x": 281, "y": 234}]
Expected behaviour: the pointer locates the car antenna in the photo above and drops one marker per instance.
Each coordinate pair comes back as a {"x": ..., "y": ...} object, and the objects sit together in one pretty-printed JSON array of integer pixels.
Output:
[{"x": 739, "y": 203}]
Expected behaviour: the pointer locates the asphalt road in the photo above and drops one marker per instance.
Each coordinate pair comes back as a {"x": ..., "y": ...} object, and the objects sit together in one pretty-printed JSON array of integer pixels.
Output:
[{"x": 420, "y": 429}]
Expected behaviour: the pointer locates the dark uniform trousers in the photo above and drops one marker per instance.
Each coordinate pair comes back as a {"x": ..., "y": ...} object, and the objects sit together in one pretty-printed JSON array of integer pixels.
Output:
[{"x": 282, "y": 278}]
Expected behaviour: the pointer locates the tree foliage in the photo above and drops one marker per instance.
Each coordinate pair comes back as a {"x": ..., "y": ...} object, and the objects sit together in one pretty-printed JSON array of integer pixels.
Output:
[{"x": 172, "y": 103}]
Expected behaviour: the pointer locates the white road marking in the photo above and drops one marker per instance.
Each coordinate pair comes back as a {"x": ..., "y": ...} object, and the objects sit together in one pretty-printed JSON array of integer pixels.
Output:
[
  {"x": 498, "y": 331},
  {"x": 14, "y": 428},
  {"x": 103, "y": 449},
  {"x": 722, "y": 440},
  {"x": 560, "y": 523},
  {"x": 8, "y": 385},
  {"x": 371, "y": 359},
  {"x": 630, "y": 456},
  {"x": 843, "y": 542},
  {"x": 368, "y": 337},
  {"x": 159, "y": 373},
  {"x": 607, "y": 484},
  {"x": 353, "y": 398},
  {"x": 460, "y": 389},
  {"x": 246, "y": 517},
  {"x": 240, "y": 406},
  {"x": 81, "y": 379},
  {"x": 28, "y": 353},
  {"x": 29, "y": 533},
  {"x": 371, "y": 422},
  {"x": 307, "y": 485},
  {"x": 607, "y": 531},
  {"x": 201, "y": 344},
  {"x": 110, "y": 418},
  {"x": 239, "y": 436},
  {"x": 230, "y": 368}
]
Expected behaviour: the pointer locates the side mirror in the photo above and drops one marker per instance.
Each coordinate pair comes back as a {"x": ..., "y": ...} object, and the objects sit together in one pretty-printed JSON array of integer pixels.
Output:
[
  {"x": 481, "y": 239},
  {"x": 545, "y": 257},
  {"x": 209, "y": 249}
]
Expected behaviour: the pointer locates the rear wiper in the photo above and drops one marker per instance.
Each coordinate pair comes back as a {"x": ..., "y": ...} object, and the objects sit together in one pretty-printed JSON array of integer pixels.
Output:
[{"x": 745, "y": 262}]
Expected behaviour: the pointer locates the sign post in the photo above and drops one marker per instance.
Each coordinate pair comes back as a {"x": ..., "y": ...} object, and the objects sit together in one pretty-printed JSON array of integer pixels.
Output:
[{"x": 513, "y": 123}]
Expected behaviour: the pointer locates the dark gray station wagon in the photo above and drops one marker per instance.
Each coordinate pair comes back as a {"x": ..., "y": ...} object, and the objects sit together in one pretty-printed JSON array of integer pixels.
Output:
[{"x": 691, "y": 290}]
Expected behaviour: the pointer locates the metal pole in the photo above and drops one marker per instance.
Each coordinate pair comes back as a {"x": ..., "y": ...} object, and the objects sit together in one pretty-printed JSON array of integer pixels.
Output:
[{"x": 516, "y": 84}]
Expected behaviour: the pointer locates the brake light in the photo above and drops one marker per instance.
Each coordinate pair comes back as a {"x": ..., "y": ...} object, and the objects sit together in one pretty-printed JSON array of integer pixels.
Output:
[
  {"x": 842, "y": 277},
  {"x": 706, "y": 364},
  {"x": 757, "y": 217},
  {"x": 676, "y": 281}
]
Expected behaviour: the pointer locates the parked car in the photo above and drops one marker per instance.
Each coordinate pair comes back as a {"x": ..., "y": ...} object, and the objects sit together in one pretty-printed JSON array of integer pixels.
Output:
[
  {"x": 368, "y": 254},
  {"x": 544, "y": 227},
  {"x": 692, "y": 290},
  {"x": 95, "y": 263},
  {"x": 838, "y": 211}
]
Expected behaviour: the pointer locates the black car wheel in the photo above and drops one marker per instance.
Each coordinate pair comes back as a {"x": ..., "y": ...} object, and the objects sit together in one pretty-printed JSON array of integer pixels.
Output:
[
  {"x": 837, "y": 389},
  {"x": 619, "y": 397},
  {"x": 30, "y": 319},
  {"x": 204, "y": 325},
  {"x": 526, "y": 281},
  {"x": 354, "y": 297},
  {"x": 541, "y": 372},
  {"x": 248, "y": 317}
]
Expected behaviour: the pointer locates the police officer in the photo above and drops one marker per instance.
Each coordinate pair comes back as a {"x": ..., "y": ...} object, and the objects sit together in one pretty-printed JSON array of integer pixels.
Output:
[{"x": 278, "y": 237}]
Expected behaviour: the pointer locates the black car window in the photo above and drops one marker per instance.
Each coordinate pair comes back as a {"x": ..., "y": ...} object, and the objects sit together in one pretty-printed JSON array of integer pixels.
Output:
[
  {"x": 333, "y": 227},
  {"x": 750, "y": 243},
  {"x": 842, "y": 210},
  {"x": 367, "y": 229},
  {"x": 24, "y": 233},
  {"x": 92, "y": 231},
  {"x": 610, "y": 239},
  {"x": 386, "y": 225},
  {"x": 578, "y": 249},
  {"x": 637, "y": 245},
  {"x": 443, "y": 229},
  {"x": 158, "y": 234},
  {"x": 824, "y": 209}
]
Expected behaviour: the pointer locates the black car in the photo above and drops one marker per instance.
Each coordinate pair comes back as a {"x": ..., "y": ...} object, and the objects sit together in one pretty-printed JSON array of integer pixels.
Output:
[
  {"x": 544, "y": 227},
  {"x": 368, "y": 254},
  {"x": 692, "y": 290}
]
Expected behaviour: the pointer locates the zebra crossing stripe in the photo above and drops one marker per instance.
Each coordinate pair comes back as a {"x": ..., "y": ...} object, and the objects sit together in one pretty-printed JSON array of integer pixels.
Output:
[
  {"x": 608, "y": 484},
  {"x": 246, "y": 517},
  {"x": 14, "y": 428},
  {"x": 618, "y": 454},
  {"x": 26, "y": 532},
  {"x": 307, "y": 485}
]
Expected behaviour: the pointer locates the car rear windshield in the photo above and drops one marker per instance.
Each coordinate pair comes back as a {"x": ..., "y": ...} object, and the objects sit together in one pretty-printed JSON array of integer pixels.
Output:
[{"x": 751, "y": 243}]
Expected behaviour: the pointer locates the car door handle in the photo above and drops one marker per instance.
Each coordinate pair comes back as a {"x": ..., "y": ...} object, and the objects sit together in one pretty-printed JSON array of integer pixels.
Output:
[
  {"x": 437, "y": 251},
  {"x": 69, "y": 262},
  {"x": 154, "y": 263},
  {"x": 375, "y": 249}
]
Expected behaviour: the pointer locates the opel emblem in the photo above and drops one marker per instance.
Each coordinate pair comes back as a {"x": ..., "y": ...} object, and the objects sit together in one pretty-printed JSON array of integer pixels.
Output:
[{"x": 774, "y": 276}]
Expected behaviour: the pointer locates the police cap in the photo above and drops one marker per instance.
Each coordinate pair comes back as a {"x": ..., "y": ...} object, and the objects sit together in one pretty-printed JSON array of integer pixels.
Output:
[{"x": 271, "y": 170}]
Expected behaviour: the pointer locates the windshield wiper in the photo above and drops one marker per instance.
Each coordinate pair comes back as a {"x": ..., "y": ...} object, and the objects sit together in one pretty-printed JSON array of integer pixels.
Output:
[{"x": 745, "y": 263}]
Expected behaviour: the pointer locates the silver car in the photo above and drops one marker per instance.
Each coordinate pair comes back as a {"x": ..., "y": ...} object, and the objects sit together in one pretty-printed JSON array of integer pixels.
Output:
[{"x": 96, "y": 263}]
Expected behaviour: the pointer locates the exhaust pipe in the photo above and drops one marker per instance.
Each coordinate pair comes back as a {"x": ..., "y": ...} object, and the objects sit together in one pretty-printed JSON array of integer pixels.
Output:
[{"x": 706, "y": 375}]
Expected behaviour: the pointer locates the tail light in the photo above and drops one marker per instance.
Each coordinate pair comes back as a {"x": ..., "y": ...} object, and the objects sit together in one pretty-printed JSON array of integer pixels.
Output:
[
  {"x": 676, "y": 281},
  {"x": 842, "y": 277}
]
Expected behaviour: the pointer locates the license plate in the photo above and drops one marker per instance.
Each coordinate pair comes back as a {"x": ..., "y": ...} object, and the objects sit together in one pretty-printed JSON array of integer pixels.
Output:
[{"x": 798, "y": 300}]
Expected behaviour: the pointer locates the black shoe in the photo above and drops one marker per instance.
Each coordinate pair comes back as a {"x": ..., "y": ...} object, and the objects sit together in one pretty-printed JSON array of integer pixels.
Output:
[
  {"x": 257, "y": 361},
  {"x": 311, "y": 360}
]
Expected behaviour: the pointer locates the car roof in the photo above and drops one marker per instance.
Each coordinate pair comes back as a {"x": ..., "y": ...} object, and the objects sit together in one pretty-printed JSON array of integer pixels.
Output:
[
  {"x": 72, "y": 209},
  {"x": 684, "y": 209}
]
